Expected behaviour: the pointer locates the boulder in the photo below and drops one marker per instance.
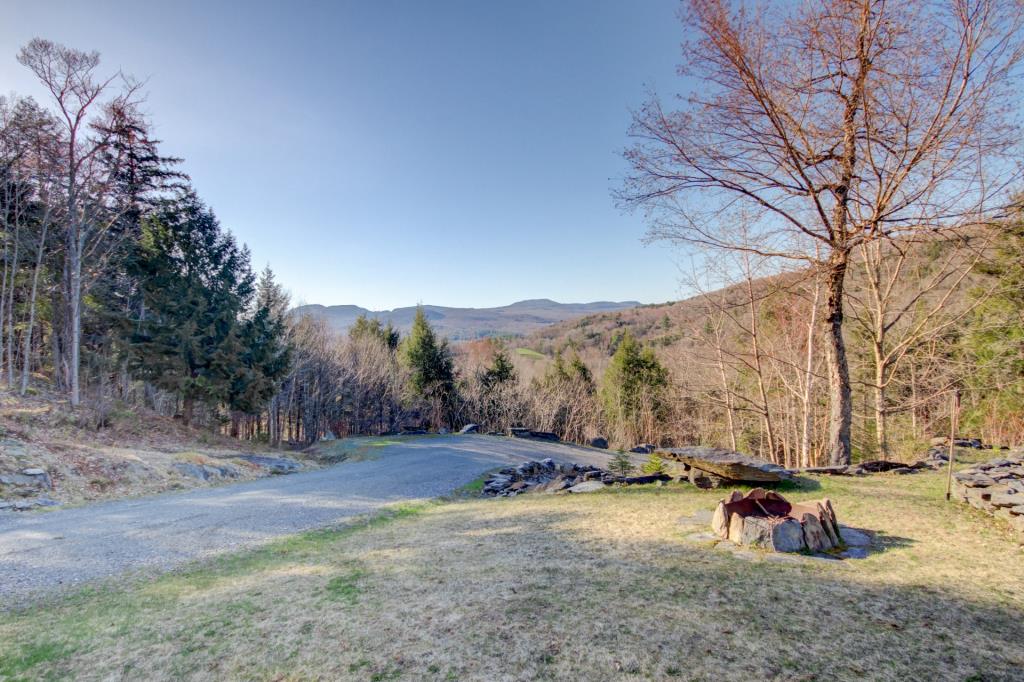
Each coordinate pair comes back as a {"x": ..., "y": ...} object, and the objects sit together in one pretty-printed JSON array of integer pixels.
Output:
[
  {"x": 815, "y": 537},
  {"x": 599, "y": 442},
  {"x": 728, "y": 465},
  {"x": 720, "y": 521},
  {"x": 787, "y": 536},
  {"x": 643, "y": 449},
  {"x": 470, "y": 428},
  {"x": 775, "y": 534},
  {"x": 276, "y": 465},
  {"x": 191, "y": 470},
  {"x": 1006, "y": 500},
  {"x": 519, "y": 432},
  {"x": 703, "y": 479}
]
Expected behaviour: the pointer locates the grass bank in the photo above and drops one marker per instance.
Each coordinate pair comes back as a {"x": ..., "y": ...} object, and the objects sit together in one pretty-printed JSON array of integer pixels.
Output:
[{"x": 598, "y": 587}]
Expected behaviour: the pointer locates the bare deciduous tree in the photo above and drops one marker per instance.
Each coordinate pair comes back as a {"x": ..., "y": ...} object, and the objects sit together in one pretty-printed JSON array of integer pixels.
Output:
[
  {"x": 836, "y": 123},
  {"x": 70, "y": 77}
]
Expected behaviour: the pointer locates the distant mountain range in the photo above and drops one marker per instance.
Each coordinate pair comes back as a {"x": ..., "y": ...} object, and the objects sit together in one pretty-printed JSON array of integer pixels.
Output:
[{"x": 517, "y": 319}]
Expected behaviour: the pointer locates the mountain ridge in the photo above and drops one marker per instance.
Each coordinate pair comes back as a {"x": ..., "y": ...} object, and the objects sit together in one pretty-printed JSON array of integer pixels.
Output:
[{"x": 515, "y": 319}]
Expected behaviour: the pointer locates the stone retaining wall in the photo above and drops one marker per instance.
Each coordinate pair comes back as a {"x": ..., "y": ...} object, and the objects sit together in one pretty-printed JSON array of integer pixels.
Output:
[{"x": 996, "y": 487}]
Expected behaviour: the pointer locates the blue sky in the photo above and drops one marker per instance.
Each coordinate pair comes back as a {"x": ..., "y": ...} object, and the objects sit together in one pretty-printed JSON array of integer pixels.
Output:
[{"x": 384, "y": 153}]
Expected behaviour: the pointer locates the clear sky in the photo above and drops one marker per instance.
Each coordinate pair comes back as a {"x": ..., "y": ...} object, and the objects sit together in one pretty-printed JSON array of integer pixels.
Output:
[{"x": 384, "y": 153}]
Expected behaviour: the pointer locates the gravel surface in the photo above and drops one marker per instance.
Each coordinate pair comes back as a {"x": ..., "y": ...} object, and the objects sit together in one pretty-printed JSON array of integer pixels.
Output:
[{"x": 42, "y": 554}]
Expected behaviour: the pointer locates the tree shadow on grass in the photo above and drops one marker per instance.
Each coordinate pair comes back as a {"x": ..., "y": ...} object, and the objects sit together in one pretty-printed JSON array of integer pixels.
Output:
[{"x": 661, "y": 609}]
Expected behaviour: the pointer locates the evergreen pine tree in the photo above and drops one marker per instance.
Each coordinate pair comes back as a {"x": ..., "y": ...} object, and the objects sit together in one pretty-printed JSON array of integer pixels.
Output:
[
  {"x": 196, "y": 282},
  {"x": 621, "y": 464},
  {"x": 263, "y": 355},
  {"x": 432, "y": 370},
  {"x": 364, "y": 327},
  {"x": 634, "y": 388},
  {"x": 500, "y": 371}
]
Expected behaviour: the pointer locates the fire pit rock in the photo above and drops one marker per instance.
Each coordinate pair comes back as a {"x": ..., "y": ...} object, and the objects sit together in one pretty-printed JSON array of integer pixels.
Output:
[{"x": 764, "y": 519}]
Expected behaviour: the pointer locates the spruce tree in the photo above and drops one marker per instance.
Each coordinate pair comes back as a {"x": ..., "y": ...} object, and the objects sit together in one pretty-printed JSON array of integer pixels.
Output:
[
  {"x": 364, "y": 327},
  {"x": 634, "y": 388},
  {"x": 432, "y": 370},
  {"x": 500, "y": 371},
  {"x": 259, "y": 349},
  {"x": 196, "y": 282}
]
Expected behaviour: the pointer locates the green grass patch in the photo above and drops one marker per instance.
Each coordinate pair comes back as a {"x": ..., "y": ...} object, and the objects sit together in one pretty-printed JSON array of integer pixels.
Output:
[
  {"x": 530, "y": 353},
  {"x": 13, "y": 665},
  {"x": 353, "y": 449},
  {"x": 345, "y": 587}
]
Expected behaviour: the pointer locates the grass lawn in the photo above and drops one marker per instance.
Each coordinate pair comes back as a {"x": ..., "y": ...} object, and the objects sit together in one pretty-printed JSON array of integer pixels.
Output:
[{"x": 589, "y": 587}]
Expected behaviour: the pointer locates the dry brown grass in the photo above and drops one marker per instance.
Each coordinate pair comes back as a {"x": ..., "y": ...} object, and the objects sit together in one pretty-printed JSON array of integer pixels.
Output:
[{"x": 593, "y": 587}]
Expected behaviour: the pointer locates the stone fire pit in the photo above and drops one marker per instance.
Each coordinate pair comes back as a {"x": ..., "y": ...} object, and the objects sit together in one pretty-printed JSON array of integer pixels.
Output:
[{"x": 764, "y": 519}]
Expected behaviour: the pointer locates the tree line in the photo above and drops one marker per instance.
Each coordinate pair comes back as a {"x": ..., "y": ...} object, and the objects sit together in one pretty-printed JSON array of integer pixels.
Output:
[{"x": 118, "y": 282}]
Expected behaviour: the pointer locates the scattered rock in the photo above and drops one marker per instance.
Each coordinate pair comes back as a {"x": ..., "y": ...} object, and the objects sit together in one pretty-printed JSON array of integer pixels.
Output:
[
  {"x": 587, "y": 487},
  {"x": 644, "y": 449},
  {"x": 191, "y": 470},
  {"x": 996, "y": 486},
  {"x": 547, "y": 476},
  {"x": 519, "y": 432},
  {"x": 276, "y": 465}
]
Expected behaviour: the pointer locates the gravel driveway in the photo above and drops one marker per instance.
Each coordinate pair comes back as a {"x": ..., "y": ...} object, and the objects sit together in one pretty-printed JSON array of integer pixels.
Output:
[{"x": 44, "y": 553}]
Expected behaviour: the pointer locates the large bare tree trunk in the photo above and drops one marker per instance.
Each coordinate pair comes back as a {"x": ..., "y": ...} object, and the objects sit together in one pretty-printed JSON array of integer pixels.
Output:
[{"x": 840, "y": 398}]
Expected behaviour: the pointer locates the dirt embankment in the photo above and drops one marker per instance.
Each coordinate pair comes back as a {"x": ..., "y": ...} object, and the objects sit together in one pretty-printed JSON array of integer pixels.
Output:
[{"x": 51, "y": 455}]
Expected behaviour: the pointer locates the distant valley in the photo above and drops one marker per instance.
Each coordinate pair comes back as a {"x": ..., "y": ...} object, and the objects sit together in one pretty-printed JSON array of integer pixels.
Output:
[{"x": 516, "y": 319}]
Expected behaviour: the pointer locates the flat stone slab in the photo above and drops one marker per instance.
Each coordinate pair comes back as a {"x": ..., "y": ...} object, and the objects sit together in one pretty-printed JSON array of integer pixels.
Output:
[
  {"x": 587, "y": 487},
  {"x": 701, "y": 538},
  {"x": 854, "y": 538},
  {"x": 730, "y": 465}
]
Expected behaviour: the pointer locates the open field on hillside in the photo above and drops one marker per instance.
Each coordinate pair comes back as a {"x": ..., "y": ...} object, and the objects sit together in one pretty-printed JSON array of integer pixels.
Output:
[{"x": 600, "y": 586}]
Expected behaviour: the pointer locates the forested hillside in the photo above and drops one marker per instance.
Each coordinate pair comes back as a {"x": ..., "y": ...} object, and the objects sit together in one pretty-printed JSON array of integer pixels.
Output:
[{"x": 925, "y": 318}]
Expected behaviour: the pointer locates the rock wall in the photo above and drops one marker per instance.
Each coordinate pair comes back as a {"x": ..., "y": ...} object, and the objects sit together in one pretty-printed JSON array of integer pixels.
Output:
[{"x": 996, "y": 487}]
